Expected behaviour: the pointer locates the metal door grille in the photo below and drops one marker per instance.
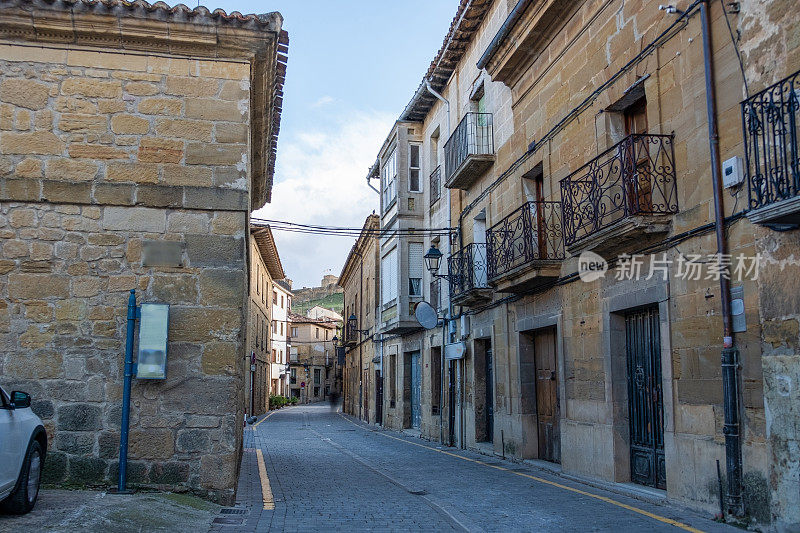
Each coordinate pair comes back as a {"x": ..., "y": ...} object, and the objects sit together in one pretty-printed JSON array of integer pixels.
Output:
[{"x": 645, "y": 399}]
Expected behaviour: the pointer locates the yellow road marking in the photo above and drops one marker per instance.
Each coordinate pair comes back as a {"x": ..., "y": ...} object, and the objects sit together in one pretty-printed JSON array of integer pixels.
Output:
[
  {"x": 253, "y": 427},
  {"x": 648, "y": 514},
  {"x": 266, "y": 491}
]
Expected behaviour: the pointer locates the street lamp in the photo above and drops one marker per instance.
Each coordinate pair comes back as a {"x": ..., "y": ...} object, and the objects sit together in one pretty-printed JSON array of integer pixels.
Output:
[{"x": 433, "y": 258}]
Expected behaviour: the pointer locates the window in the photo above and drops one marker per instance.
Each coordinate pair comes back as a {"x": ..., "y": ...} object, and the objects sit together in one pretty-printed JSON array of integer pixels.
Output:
[
  {"x": 415, "y": 266},
  {"x": 317, "y": 376},
  {"x": 293, "y": 376},
  {"x": 326, "y": 334},
  {"x": 281, "y": 301},
  {"x": 274, "y": 297},
  {"x": 288, "y": 303},
  {"x": 389, "y": 277},
  {"x": 414, "y": 183},
  {"x": 258, "y": 276},
  {"x": 388, "y": 179},
  {"x": 316, "y": 333},
  {"x": 274, "y": 356},
  {"x": 275, "y": 327},
  {"x": 294, "y": 332}
]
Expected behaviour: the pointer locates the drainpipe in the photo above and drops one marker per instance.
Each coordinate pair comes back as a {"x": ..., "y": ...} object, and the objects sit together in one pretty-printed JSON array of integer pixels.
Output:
[
  {"x": 731, "y": 429},
  {"x": 449, "y": 245}
]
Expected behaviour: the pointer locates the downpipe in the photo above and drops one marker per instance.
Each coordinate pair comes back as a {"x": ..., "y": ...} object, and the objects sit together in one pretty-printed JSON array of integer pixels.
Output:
[
  {"x": 730, "y": 355},
  {"x": 126, "y": 395}
]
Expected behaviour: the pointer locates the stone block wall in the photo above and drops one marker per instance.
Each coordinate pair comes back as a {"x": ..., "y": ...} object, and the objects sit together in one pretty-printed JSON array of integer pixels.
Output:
[{"x": 100, "y": 155}]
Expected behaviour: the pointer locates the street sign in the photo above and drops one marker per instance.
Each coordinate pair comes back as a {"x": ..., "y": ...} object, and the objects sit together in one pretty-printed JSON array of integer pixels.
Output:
[{"x": 302, "y": 384}]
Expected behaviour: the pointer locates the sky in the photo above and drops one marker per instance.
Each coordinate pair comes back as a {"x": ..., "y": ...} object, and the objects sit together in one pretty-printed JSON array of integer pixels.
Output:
[{"x": 353, "y": 66}]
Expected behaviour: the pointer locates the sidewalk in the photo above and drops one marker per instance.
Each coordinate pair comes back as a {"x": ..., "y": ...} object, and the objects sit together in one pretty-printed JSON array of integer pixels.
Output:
[
  {"x": 67, "y": 511},
  {"x": 248, "y": 513}
]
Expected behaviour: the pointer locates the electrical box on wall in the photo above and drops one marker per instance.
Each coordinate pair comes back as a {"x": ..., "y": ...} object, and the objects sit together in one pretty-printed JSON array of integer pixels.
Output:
[{"x": 732, "y": 173}]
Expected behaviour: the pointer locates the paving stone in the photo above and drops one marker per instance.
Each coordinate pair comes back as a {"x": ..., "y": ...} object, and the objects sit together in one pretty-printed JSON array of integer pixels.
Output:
[{"x": 326, "y": 477}]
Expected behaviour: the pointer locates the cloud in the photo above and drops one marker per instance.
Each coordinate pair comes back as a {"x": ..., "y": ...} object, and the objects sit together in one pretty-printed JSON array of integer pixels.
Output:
[
  {"x": 321, "y": 179},
  {"x": 325, "y": 100}
]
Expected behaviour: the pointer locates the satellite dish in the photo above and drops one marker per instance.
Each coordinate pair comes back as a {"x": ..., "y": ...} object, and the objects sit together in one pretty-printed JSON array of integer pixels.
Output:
[{"x": 426, "y": 315}]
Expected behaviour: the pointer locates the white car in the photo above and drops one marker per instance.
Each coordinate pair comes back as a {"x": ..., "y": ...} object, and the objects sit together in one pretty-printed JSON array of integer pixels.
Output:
[{"x": 23, "y": 445}]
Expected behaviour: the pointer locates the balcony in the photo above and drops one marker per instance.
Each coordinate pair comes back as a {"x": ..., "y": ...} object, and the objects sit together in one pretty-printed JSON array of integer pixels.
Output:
[
  {"x": 526, "y": 247},
  {"x": 468, "y": 269},
  {"x": 436, "y": 185},
  {"x": 622, "y": 198},
  {"x": 772, "y": 155},
  {"x": 350, "y": 335},
  {"x": 469, "y": 151}
]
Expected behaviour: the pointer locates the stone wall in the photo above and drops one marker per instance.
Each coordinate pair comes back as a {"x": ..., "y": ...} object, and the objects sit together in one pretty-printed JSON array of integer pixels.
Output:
[
  {"x": 102, "y": 154},
  {"x": 770, "y": 44}
]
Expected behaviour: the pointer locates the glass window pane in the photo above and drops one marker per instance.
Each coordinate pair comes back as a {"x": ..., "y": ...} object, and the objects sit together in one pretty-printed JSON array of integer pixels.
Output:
[
  {"x": 413, "y": 156},
  {"x": 413, "y": 180}
]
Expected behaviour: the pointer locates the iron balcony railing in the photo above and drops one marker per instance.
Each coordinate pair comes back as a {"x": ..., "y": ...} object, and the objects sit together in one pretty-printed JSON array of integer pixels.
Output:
[
  {"x": 350, "y": 335},
  {"x": 634, "y": 177},
  {"x": 468, "y": 270},
  {"x": 532, "y": 232},
  {"x": 436, "y": 184},
  {"x": 473, "y": 136},
  {"x": 769, "y": 120}
]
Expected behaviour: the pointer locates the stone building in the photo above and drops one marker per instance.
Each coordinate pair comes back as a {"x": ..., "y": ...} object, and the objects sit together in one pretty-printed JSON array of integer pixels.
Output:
[
  {"x": 265, "y": 271},
  {"x": 321, "y": 313},
  {"x": 561, "y": 128},
  {"x": 135, "y": 139},
  {"x": 362, "y": 384},
  {"x": 313, "y": 369},
  {"x": 281, "y": 336}
]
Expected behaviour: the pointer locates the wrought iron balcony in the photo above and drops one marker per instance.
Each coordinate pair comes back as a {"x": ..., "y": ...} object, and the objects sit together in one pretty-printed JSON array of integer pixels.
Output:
[
  {"x": 530, "y": 235},
  {"x": 350, "y": 335},
  {"x": 772, "y": 152},
  {"x": 436, "y": 185},
  {"x": 469, "y": 274},
  {"x": 469, "y": 151},
  {"x": 634, "y": 177}
]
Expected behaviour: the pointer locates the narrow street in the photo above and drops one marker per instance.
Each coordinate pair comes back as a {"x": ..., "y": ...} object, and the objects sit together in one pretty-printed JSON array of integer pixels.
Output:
[{"x": 327, "y": 472}]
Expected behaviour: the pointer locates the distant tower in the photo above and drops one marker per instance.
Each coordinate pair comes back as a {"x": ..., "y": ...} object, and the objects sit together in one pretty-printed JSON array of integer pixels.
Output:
[{"x": 329, "y": 279}]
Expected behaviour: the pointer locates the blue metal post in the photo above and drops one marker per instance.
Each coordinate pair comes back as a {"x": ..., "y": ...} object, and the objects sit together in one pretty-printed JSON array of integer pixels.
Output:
[{"x": 126, "y": 393}]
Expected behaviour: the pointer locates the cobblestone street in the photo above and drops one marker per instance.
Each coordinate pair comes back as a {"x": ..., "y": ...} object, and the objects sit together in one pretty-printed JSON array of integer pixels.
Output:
[{"x": 327, "y": 472}]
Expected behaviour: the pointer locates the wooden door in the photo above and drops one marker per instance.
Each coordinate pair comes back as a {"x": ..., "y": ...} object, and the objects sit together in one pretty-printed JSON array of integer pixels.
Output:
[
  {"x": 489, "y": 394},
  {"x": 451, "y": 401},
  {"x": 416, "y": 389},
  {"x": 547, "y": 395},
  {"x": 637, "y": 164},
  {"x": 378, "y": 398}
]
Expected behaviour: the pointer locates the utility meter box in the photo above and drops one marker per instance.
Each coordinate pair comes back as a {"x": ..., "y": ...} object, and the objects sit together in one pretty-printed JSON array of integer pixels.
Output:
[{"x": 732, "y": 172}]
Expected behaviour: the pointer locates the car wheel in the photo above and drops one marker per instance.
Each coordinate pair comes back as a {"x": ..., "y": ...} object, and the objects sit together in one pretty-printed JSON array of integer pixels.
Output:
[{"x": 24, "y": 497}]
